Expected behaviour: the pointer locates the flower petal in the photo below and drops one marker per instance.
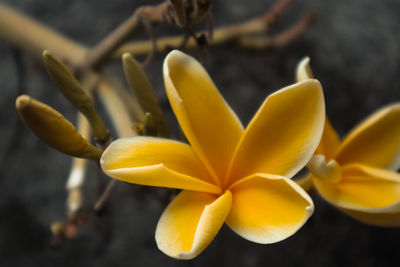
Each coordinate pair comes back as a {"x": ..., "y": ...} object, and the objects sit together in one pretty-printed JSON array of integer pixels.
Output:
[
  {"x": 156, "y": 162},
  {"x": 283, "y": 134},
  {"x": 330, "y": 140},
  {"x": 209, "y": 124},
  {"x": 385, "y": 219},
  {"x": 268, "y": 208},
  {"x": 375, "y": 141},
  {"x": 329, "y": 143},
  {"x": 303, "y": 70},
  {"x": 363, "y": 188},
  {"x": 190, "y": 223}
]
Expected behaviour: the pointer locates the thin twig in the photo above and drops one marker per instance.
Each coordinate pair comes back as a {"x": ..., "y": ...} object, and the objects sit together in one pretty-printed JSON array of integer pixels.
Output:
[
  {"x": 103, "y": 198},
  {"x": 131, "y": 27},
  {"x": 222, "y": 35},
  {"x": 293, "y": 32},
  {"x": 149, "y": 29},
  {"x": 210, "y": 27}
]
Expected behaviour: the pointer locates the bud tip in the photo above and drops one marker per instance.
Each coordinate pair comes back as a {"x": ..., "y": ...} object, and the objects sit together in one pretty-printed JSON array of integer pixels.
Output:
[{"x": 22, "y": 101}]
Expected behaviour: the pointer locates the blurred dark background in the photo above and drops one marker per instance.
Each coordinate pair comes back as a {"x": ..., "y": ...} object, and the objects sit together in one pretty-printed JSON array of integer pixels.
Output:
[{"x": 355, "y": 52}]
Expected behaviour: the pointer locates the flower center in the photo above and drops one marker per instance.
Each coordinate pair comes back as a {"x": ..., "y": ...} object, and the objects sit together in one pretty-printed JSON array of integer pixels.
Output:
[{"x": 328, "y": 172}]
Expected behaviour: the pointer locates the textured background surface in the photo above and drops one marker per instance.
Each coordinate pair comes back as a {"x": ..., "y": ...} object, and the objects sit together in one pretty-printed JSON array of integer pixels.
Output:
[{"x": 355, "y": 52}]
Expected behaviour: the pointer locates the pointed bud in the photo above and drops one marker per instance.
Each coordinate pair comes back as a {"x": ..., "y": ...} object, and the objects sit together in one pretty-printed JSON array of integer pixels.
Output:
[
  {"x": 54, "y": 129},
  {"x": 148, "y": 125},
  {"x": 73, "y": 91},
  {"x": 144, "y": 92}
]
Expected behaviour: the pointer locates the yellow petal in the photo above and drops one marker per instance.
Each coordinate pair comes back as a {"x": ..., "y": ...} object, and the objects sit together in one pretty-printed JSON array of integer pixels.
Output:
[
  {"x": 303, "y": 70},
  {"x": 375, "y": 141},
  {"x": 283, "y": 134},
  {"x": 268, "y": 208},
  {"x": 209, "y": 124},
  {"x": 363, "y": 188},
  {"x": 329, "y": 143},
  {"x": 190, "y": 223},
  {"x": 156, "y": 162},
  {"x": 386, "y": 219},
  {"x": 330, "y": 139}
]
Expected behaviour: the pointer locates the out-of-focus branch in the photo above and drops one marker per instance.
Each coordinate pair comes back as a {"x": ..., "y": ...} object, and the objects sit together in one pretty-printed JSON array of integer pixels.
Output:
[
  {"x": 115, "y": 107},
  {"x": 249, "y": 34},
  {"x": 40, "y": 37},
  {"x": 77, "y": 175},
  {"x": 34, "y": 37},
  {"x": 262, "y": 42},
  {"x": 133, "y": 25}
]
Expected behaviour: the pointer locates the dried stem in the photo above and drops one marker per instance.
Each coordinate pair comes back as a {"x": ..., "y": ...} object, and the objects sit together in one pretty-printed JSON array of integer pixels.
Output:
[
  {"x": 133, "y": 25},
  {"x": 77, "y": 175},
  {"x": 115, "y": 107},
  {"x": 234, "y": 34},
  {"x": 263, "y": 42},
  {"x": 34, "y": 37},
  {"x": 104, "y": 196}
]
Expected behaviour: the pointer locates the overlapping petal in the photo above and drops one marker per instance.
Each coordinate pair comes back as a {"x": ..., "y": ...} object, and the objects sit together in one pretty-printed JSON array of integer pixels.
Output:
[
  {"x": 156, "y": 162},
  {"x": 375, "y": 141},
  {"x": 385, "y": 219},
  {"x": 267, "y": 208},
  {"x": 190, "y": 223},
  {"x": 363, "y": 188},
  {"x": 209, "y": 124},
  {"x": 329, "y": 143},
  {"x": 330, "y": 140},
  {"x": 283, "y": 134}
]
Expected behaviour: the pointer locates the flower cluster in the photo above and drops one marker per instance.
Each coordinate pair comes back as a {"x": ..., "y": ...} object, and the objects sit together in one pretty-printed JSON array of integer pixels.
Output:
[{"x": 242, "y": 176}]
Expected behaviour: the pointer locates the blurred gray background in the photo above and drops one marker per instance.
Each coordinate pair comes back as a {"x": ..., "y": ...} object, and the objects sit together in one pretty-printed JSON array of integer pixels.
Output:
[{"x": 355, "y": 52}]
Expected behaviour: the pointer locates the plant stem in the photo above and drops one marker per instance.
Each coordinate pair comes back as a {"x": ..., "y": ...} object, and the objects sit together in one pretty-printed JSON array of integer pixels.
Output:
[
  {"x": 131, "y": 27},
  {"x": 34, "y": 37}
]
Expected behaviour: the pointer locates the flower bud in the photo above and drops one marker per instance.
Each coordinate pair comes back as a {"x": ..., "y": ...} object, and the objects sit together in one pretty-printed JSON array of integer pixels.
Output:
[
  {"x": 54, "y": 129},
  {"x": 78, "y": 97},
  {"x": 144, "y": 92}
]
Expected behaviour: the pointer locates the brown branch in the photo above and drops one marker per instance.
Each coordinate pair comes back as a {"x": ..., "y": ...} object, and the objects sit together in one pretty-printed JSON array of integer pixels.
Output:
[
  {"x": 34, "y": 37},
  {"x": 131, "y": 27},
  {"x": 221, "y": 35},
  {"x": 104, "y": 196},
  {"x": 263, "y": 42}
]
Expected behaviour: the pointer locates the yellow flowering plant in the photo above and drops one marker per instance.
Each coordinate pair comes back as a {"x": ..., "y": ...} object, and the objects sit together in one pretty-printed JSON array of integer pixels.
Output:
[
  {"x": 227, "y": 173},
  {"x": 358, "y": 174}
]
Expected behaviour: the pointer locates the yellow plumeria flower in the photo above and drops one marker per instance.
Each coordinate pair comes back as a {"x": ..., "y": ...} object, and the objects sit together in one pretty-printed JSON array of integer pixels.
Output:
[
  {"x": 227, "y": 174},
  {"x": 358, "y": 174}
]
